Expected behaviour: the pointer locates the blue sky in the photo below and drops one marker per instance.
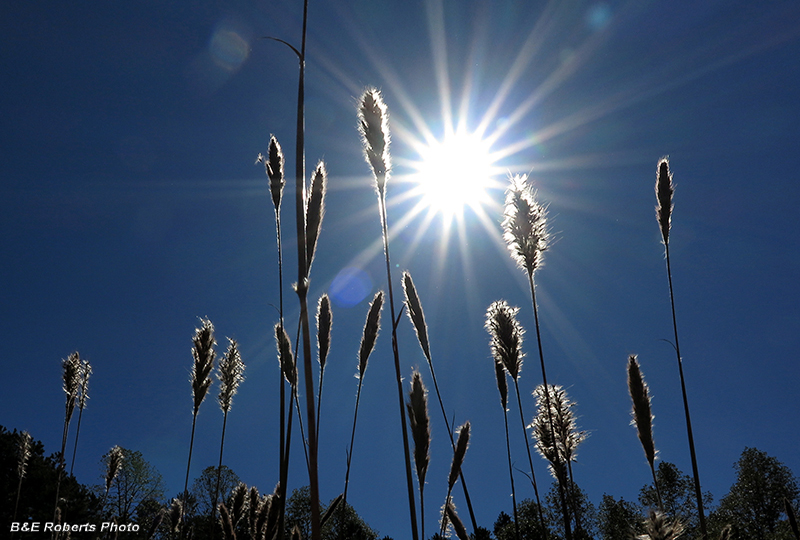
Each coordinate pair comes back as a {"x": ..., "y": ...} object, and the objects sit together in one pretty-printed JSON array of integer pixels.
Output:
[{"x": 131, "y": 206}]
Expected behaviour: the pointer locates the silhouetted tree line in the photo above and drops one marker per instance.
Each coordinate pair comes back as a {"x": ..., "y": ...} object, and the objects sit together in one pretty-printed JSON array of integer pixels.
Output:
[{"x": 755, "y": 506}]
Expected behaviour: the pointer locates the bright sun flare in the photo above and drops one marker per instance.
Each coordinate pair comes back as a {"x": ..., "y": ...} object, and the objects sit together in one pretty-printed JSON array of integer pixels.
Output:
[{"x": 454, "y": 173}]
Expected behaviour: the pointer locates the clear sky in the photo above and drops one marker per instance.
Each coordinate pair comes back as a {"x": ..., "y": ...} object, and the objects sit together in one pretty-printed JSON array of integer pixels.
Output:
[{"x": 131, "y": 206}]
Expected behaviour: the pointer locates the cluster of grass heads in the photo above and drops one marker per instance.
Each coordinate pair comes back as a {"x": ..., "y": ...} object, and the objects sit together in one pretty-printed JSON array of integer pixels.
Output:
[{"x": 553, "y": 429}]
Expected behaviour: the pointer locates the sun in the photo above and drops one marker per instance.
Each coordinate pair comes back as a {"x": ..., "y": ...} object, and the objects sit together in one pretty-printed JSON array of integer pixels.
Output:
[{"x": 454, "y": 173}]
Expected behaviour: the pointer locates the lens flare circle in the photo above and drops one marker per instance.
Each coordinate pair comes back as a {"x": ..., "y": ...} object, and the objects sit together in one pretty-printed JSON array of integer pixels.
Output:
[{"x": 454, "y": 173}]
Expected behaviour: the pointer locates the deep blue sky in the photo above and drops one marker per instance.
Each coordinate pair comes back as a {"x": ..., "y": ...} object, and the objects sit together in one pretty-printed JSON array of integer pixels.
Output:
[{"x": 131, "y": 207}]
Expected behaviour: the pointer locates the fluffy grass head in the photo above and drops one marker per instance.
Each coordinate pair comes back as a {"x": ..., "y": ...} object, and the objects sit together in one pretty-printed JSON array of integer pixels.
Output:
[
  {"x": 315, "y": 210},
  {"x": 204, "y": 355},
  {"x": 564, "y": 423},
  {"x": 459, "y": 454},
  {"x": 502, "y": 383},
  {"x": 419, "y": 420},
  {"x": 230, "y": 375},
  {"x": 642, "y": 415},
  {"x": 373, "y": 119},
  {"x": 525, "y": 225},
  {"x": 71, "y": 375},
  {"x": 371, "y": 328},
  {"x": 416, "y": 314},
  {"x": 658, "y": 527},
  {"x": 664, "y": 191},
  {"x": 23, "y": 453},
  {"x": 505, "y": 336},
  {"x": 113, "y": 465},
  {"x": 324, "y": 324},
  {"x": 274, "y": 167},
  {"x": 285, "y": 356}
]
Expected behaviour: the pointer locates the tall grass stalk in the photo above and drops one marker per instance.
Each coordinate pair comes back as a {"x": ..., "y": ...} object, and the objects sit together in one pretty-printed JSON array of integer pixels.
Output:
[
  {"x": 371, "y": 328},
  {"x": 113, "y": 465},
  {"x": 230, "y": 376},
  {"x": 83, "y": 396},
  {"x": 506, "y": 345},
  {"x": 420, "y": 422},
  {"x": 203, "y": 354},
  {"x": 274, "y": 167},
  {"x": 288, "y": 368},
  {"x": 664, "y": 192},
  {"x": 643, "y": 418},
  {"x": 568, "y": 437},
  {"x": 71, "y": 375},
  {"x": 374, "y": 128},
  {"x": 417, "y": 316},
  {"x": 23, "y": 455},
  {"x": 502, "y": 387},
  {"x": 525, "y": 232}
]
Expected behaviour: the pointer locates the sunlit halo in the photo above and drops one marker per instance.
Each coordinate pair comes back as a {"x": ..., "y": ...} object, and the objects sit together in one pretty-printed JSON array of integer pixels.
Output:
[{"x": 454, "y": 173}]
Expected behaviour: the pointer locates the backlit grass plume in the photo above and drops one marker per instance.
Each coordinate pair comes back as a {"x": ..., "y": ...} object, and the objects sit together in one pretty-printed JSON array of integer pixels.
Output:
[
  {"x": 315, "y": 210},
  {"x": 71, "y": 376},
  {"x": 371, "y": 328},
  {"x": 113, "y": 465},
  {"x": 525, "y": 225},
  {"x": 374, "y": 128},
  {"x": 458, "y": 526},
  {"x": 83, "y": 397},
  {"x": 658, "y": 527},
  {"x": 459, "y": 452},
  {"x": 230, "y": 375},
  {"x": 505, "y": 336},
  {"x": 558, "y": 438},
  {"x": 204, "y": 355},
  {"x": 417, "y": 316},
  {"x": 420, "y": 423},
  {"x": 23, "y": 455},
  {"x": 505, "y": 342},
  {"x": 664, "y": 192},
  {"x": 643, "y": 417}
]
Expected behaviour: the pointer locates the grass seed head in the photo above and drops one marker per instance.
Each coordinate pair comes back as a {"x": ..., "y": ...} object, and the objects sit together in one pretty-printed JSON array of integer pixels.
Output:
[
  {"x": 642, "y": 415},
  {"x": 374, "y": 127},
  {"x": 315, "y": 210},
  {"x": 525, "y": 225},
  {"x": 416, "y": 314},
  {"x": 71, "y": 368},
  {"x": 23, "y": 453},
  {"x": 83, "y": 395},
  {"x": 204, "y": 355},
  {"x": 458, "y": 455},
  {"x": 506, "y": 336},
  {"x": 419, "y": 420},
  {"x": 664, "y": 191},
  {"x": 502, "y": 383},
  {"x": 113, "y": 465},
  {"x": 324, "y": 323},
  {"x": 230, "y": 375},
  {"x": 371, "y": 328},
  {"x": 658, "y": 527},
  {"x": 458, "y": 525},
  {"x": 285, "y": 356},
  {"x": 274, "y": 167}
]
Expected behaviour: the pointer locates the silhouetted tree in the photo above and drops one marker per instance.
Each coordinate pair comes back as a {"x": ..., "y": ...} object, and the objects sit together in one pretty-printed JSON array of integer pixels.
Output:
[{"x": 754, "y": 505}]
